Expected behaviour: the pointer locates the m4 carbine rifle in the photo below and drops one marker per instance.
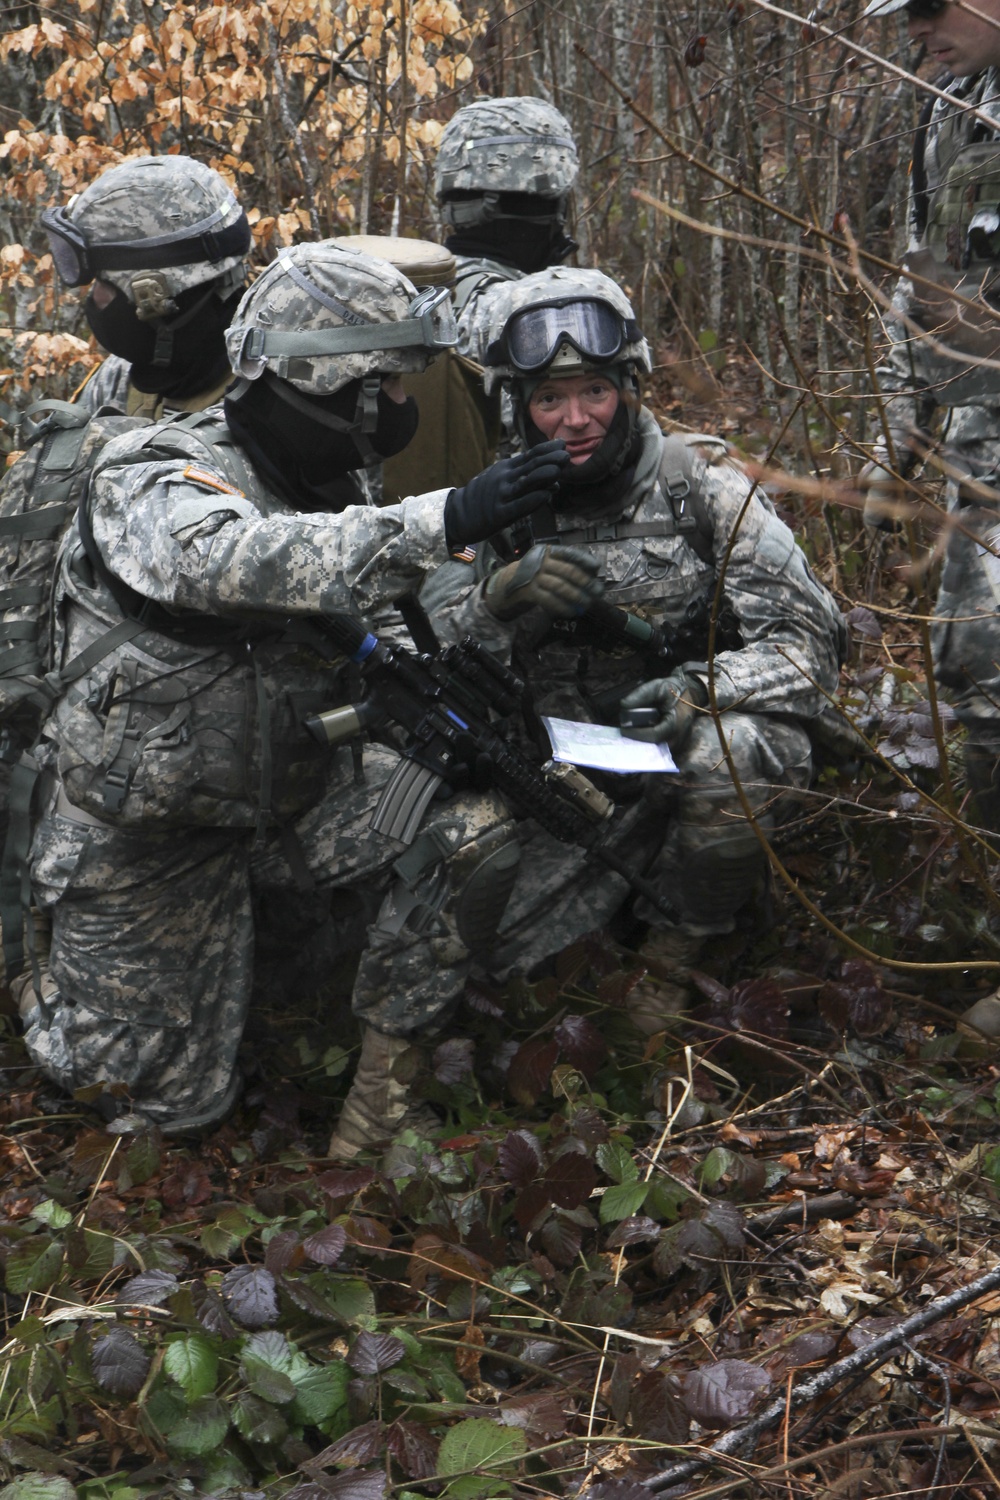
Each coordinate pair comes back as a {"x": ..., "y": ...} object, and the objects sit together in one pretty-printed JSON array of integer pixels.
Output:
[{"x": 444, "y": 702}]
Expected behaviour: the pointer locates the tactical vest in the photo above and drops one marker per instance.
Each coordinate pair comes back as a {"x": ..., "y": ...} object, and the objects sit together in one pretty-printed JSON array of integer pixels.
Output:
[
  {"x": 657, "y": 562},
  {"x": 956, "y": 211},
  {"x": 192, "y": 720}
]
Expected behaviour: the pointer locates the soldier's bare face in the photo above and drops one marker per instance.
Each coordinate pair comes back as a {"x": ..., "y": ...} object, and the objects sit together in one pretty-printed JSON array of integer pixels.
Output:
[
  {"x": 577, "y": 408},
  {"x": 964, "y": 37}
]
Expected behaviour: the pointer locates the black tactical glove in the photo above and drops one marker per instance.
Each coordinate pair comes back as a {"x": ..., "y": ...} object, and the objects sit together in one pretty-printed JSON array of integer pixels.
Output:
[
  {"x": 560, "y": 580},
  {"x": 503, "y": 493},
  {"x": 674, "y": 701}
]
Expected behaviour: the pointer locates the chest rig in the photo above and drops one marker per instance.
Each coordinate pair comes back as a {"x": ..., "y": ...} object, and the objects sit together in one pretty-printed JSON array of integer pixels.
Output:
[
  {"x": 657, "y": 563},
  {"x": 190, "y": 719},
  {"x": 955, "y": 268}
]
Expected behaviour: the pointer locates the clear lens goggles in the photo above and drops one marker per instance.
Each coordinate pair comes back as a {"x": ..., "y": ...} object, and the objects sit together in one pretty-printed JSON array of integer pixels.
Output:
[
  {"x": 429, "y": 324},
  {"x": 77, "y": 261},
  {"x": 533, "y": 336},
  {"x": 68, "y": 247}
]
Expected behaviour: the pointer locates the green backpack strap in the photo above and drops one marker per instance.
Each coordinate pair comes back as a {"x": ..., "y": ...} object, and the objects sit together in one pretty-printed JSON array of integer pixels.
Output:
[{"x": 677, "y": 480}]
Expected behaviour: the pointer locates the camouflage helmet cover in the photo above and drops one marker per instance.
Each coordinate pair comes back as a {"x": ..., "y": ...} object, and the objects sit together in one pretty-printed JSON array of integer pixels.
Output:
[
  {"x": 513, "y": 145},
  {"x": 555, "y": 285},
  {"x": 314, "y": 300},
  {"x": 157, "y": 199}
]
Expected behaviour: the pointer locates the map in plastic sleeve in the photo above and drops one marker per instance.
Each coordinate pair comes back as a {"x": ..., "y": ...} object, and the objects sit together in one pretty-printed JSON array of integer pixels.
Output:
[{"x": 604, "y": 749}]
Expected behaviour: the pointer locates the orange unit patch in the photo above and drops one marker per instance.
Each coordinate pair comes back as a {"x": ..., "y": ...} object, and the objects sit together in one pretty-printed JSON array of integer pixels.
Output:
[{"x": 211, "y": 481}]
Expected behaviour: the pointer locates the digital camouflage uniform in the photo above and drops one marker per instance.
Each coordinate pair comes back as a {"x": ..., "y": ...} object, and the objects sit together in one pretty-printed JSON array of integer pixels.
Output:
[
  {"x": 125, "y": 229},
  {"x": 110, "y": 388},
  {"x": 922, "y": 381},
  {"x": 686, "y": 832},
  {"x": 180, "y": 779}
]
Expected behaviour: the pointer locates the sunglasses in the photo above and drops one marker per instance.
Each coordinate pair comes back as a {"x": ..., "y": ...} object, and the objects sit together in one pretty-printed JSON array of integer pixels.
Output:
[{"x": 925, "y": 10}]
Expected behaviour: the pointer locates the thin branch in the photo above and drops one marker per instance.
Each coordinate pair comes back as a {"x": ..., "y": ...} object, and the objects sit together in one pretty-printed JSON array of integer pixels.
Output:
[{"x": 868, "y": 1358}]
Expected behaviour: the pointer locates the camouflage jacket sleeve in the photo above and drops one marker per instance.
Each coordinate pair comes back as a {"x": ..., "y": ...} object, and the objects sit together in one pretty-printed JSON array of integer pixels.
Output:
[
  {"x": 182, "y": 535},
  {"x": 904, "y": 416},
  {"x": 791, "y": 629}
]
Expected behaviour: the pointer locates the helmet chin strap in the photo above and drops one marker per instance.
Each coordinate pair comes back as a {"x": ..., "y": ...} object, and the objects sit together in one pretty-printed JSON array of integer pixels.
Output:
[
  {"x": 366, "y": 419},
  {"x": 163, "y": 349}
]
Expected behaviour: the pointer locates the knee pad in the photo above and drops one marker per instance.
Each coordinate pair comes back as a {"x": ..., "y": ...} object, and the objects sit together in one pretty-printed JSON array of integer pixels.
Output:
[
  {"x": 717, "y": 883},
  {"x": 482, "y": 899},
  {"x": 982, "y": 772}
]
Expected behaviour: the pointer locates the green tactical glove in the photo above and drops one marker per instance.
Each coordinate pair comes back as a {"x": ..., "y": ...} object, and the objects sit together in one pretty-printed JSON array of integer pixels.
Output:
[
  {"x": 560, "y": 580},
  {"x": 662, "y": 712}
]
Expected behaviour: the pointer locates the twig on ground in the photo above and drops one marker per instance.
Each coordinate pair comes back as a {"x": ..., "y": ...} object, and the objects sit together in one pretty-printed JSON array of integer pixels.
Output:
[{"x": 872, "y": 1355}]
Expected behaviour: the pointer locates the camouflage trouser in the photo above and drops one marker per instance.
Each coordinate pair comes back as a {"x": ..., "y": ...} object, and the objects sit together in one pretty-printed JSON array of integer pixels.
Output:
[
  {"x": 965, "y": 636},
  {"x": 152, "y": 945},
  {"x": 966, "y": 633},
  {"x": 688, "y": 835}
]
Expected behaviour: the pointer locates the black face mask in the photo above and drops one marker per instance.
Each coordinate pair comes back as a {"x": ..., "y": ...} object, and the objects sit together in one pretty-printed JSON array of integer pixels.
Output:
[
  {"x": 182, "y": 355},
  {"x": 303, "y": 457},
  {"x": 527, "y": 247},
  {"x": 527, "y": 242},
  {"x": 396, "y": 427}
]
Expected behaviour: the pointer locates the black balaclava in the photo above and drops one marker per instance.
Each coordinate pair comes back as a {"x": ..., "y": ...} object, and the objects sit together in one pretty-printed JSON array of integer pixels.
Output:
[
  {"x": 304, "y": 458},
  {"x": 182, "y": 355},
  {"x": 527, "y": 233},
  {"x": 601, "y": 481}
]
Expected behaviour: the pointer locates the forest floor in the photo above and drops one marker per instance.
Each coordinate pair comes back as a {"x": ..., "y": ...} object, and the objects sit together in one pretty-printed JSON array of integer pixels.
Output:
[{"x": 617, "y": 1251}]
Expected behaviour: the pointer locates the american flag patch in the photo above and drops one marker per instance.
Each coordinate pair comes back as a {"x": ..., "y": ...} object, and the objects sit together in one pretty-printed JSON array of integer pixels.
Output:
[
  {"x": 211, "y": 481},
  {"x": 466, "y": 554}
]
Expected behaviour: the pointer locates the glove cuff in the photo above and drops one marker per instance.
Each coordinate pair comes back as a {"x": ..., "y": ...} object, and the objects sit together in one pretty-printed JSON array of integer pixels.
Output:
[{"x": 696, "y": 690}]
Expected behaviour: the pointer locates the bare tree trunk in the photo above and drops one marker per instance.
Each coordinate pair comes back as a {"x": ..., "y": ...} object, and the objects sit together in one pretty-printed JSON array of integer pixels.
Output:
[
  {"x": 622, "y": 13},
  {"x": 793, "y": 261},
  {"x": 291, "y": 131}
]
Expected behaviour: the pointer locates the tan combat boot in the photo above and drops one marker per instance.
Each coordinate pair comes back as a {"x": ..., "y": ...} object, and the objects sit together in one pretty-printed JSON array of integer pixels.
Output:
[
  {"x": 378, "y": 1104},
  {"x": 662, "y": 996}
]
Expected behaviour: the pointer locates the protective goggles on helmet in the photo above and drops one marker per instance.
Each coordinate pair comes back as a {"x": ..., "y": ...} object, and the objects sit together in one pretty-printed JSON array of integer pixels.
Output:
[
  {"x": 531, "y": 338},
  {"x": 429, "y": 324},
  {"x": 78, "y": 261}
]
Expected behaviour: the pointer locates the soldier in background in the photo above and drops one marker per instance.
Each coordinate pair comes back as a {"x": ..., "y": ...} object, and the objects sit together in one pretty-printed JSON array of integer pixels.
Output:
[
  {"x": 504, "y": 172},
  {"x": 164, "y": 242},
  {"x": 943, "y": 368}
]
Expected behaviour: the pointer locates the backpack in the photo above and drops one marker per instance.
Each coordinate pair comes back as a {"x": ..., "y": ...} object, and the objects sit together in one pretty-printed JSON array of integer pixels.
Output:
[{"x": 39, "y": 496}]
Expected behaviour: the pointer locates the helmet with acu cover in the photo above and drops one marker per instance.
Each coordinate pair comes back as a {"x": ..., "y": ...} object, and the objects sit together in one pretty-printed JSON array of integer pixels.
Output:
[
  {"x": 493, "y": 146},
  {"x": 153, "y": 227},
  {"x": 559, "y": 322},
  {"x": 321, "y": 316}
]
